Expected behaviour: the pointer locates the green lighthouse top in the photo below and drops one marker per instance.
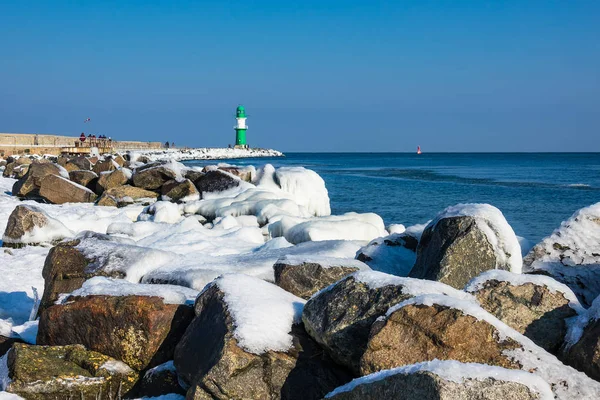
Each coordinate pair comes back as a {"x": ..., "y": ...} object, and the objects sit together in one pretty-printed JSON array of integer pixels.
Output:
[{"x": 241, "y": 112}]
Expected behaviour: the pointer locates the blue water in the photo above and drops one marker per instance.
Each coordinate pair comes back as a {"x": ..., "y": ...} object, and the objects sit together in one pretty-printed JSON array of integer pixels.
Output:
[{"x": 534, "y": 191}]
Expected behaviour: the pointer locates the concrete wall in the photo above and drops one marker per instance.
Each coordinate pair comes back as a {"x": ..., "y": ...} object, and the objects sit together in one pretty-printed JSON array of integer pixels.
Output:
[{"x": 29, "y": 143}]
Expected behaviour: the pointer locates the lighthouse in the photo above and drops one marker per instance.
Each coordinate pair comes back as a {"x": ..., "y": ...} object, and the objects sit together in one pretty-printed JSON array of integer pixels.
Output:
[{"x": 240, "y": 128}]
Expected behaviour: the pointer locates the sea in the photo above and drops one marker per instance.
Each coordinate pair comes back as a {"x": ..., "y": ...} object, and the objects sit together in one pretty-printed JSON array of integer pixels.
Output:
[{"x": 534, "y": 191}]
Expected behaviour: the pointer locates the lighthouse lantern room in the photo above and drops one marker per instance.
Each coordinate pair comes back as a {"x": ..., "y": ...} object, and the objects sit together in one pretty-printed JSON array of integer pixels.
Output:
[{"x": 240, "y": 128}]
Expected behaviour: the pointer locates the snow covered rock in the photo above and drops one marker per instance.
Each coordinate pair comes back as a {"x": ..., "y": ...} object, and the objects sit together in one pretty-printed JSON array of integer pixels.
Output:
[
  {"x": 109, "y": 180},
  {"x": 84, "y": 178},
  {"x": 393, "y": 254},
  {"x": 571, "y": 254},
  {"x": 122, "y": 196},
  {"x": 339, "y": 317},
  {"x": 158, "y": 381},
  {"x": 153, "y": 176},
  {"x": 29, "y": 185},
  {"x": 179, "y": 191},
  {"x": 445, "y": 380},
  {"x": 349, "y": 226},
  {"x": 13, "y": 167},
  {"x": 141, "y": 331},
  {"x": 216, "y": 181},
  {"x": 244, "y": 174},
  {"x": 582, "y": 349},
  {"x": 59, "y": 190},
  {"x": 29, "y": 225},
  {"x": 429, "y": 327},
  {"x": 535, "y": 306},
  {"x": 463, "y": 241},
  {"x": 64, "y": 372},
  {"x": 305, "y": 275},
  {"x": 247, "y": 342}
]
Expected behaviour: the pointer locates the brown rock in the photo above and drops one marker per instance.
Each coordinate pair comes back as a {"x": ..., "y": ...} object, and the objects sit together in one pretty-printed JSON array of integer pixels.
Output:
[
  {"x": 531, "y": 309},
  {"x": 340, "y": 318},
  {"x": 152, "y": 176},
  {"x": 306, "y": 278},
  {"x": 585, "y": 354},
  {"x": 102, "y": 166},
  {"x": 109, "y": 180},
  {"x": 141, "y": 331},
  {"x": 29, "y": 185},
  {"x": 124, "y": 195},
  {"x": 177, "y": 191},
  {"x": 244, "y": 174},
  {"x": 417, "y": 333},
  {"x": 84, "y": 178},
  {"x": 426, "y": 385},
  {"x": 81, "y": 162},
  {"x": 69, "y": 372},
  {"x": 210, "y": 359},
  {"x": 15, "y": 163},
  {"x": 119, "y": 160},
  {"x": 60, "y": 190},
  {"x": 22, "y": 220},
  {"x": 453, "y": 251}
]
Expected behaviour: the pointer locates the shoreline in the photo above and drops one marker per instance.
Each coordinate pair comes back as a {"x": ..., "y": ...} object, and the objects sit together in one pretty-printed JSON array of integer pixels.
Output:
[{"x": 207, "y": 153}]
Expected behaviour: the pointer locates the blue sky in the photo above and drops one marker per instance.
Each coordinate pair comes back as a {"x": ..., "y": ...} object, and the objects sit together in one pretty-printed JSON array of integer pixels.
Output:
[{"x": 313, "y": 75}]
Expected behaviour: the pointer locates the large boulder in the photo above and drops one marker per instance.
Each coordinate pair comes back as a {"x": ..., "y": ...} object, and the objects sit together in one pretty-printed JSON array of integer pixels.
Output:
[
  {"x": 59, "y": 190},
  {"x": 445, "y": 380},
  {"x": 104, "y": 166},
  {"x": 535, "y": 306},
  {"x": 216, "y": 181},
  {"x": 81, "y": 163},
  {"x": 571, "y": 254},
  {"x": 141, "y": 331},
  {"x": 109, "y": 180},
  {"x": 91, "y": 254},
  {"x": 65, "y": 372},
  {"x": 340, "y": 317},
  {"x": 21, "y": 163},
  {"x": 121, "y": 196},
  {"x": 84, "y": 178},
  {"x": 29, "y": 185},
  {"x": 394, "y": 254},
  {"x": 464, "y": 241},
  {"x": 430, "y": 327},
  {"x": 584, "y": 355},
  {"x": 153, "y": 176},
  {"x": 247, "y": 342},
  {"x": 305, "y": 276},
  {"x": 179, "y": 191},
  {"x": 29, "y": 225}
]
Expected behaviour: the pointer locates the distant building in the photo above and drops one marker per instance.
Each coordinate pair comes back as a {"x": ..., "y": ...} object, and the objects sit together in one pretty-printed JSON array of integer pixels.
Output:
[{"x": 240, "y": 128}]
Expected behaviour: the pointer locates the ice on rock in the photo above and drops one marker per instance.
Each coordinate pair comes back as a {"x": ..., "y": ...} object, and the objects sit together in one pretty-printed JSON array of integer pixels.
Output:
[
  {"x": 349, "y": 226},
  {"x": 553, "y": 285},
  {"x": 492, "y": 223},
  {"x": 162, "y": 211},
  {"x": 262, "y": 312},
  {"x": 102, "y": 286},
  {"x": 567, "y": 383},
  {"x": 306, "y": 187},
  {"x": 205, "y": 154},
  {"x": 456, "y": 371}
]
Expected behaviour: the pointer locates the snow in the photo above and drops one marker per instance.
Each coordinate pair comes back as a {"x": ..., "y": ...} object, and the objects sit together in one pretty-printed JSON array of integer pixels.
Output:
[
  {"x": 411, "y": 286},
  {"x": 458, "y": 372},
  {"x": 206, "y": 154},
  {"x": 306, "y": 187},
  {"x": 566, "y": 382},
  {"x": 389, "y": 258},
  {"x": 349, "y": 226},
  {"x": 262, "y": 313},
  {"x": 9, "y": 396},
  {"x": 99, "y": 285},
  {"x": 325, "y": 262},
  {"x": 396, "y": 228},
  {"x": 577, "y": 324},
  {"x": 497, "y": 231},
  {"x": 553, "y": 285},
  {"x": 116, "y": 367},
  {"x": 168, "y": 366},
  {"x": 162, "y": 211},
  {"x": 27, "y": 332}
]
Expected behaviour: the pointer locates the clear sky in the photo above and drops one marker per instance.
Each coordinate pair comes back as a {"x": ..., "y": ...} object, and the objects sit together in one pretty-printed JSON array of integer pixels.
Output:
[{"x": 314, "y": 75}]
